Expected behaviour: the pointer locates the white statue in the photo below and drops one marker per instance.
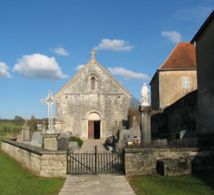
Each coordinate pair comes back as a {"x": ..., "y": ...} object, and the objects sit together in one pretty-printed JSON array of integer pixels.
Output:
[{"x": 145, "y": 95}]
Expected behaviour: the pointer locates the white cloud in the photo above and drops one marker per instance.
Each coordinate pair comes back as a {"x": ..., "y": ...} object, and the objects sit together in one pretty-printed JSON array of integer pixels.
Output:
[
  {"x": 60, "y": 51},
  {"x": 4, "y": 70},
  {"x": 128, "y": 74},
  {"x": 114, "y": 45},
  {"x": 39, "y": 66},
  {"x": 80, "y": 66},
  {"x": 173, "y": 36}
]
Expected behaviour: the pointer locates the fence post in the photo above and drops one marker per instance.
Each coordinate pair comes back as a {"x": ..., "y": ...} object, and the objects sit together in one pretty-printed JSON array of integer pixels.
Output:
[
  {"x": 95, "y": 156},
  {"x": 67, "y": 162}
]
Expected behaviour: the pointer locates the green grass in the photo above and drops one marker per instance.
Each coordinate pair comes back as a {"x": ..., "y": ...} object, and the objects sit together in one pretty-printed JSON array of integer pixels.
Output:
[
  {"x": 18, "y": 181},
  {"x": 9, "y": 125},
  {"x": 177, "y": 185},
  {"x": 9, "y": 129}
]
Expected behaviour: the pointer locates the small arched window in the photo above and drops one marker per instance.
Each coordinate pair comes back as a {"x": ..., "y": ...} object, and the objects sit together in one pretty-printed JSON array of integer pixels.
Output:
[{"x": 93, "y": 83}]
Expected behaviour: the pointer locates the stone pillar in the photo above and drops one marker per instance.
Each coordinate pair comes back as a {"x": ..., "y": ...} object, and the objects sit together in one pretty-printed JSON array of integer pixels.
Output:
[
  {"x": 145, "y": 125},
  {"x": 50, "y": 141},
  {"x": 58, "y": 126},
  {"x": 26, "y": 134}
]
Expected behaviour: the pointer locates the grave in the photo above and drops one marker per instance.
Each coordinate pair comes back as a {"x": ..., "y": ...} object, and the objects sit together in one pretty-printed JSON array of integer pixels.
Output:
[
  {"x": 36, "y": 139},
  {"x": 25, "y": 134},
  {"x": 50, "y": 136},
  {"x": 63, "y": 143}
]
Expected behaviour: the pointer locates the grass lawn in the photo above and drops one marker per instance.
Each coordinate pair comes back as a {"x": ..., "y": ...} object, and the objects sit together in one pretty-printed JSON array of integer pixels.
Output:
[
  {"x": 9, "y": 125},
  {"x": 8, "y": 128},
  {"x": 16, "y": 180},
  {"x": 177, "y": 185}
]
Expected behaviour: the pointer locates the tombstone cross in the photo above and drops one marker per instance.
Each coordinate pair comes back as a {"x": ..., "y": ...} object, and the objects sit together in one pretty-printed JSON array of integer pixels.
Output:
[{"x": 49, "y": 101}]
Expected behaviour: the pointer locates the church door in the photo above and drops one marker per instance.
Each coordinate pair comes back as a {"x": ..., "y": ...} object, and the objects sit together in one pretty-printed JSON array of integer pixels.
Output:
[
  {"x": 90, "y": 129},
  {"x": 93, "y": 129},
  {"x": 94, "y": 125},
  {"x": 96, "y": 129}
]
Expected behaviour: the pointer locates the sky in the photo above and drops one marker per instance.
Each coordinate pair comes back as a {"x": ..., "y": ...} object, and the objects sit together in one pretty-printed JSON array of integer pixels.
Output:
[{"x": 43, "y": 43}]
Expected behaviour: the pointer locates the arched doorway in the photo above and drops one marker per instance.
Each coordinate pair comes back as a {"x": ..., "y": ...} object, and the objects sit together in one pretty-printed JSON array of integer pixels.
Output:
[{"x": 94, "y": 126}]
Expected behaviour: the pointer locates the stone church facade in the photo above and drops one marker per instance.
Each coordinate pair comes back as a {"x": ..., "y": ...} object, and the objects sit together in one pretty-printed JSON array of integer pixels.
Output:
[{"x": 92, "y": 104}]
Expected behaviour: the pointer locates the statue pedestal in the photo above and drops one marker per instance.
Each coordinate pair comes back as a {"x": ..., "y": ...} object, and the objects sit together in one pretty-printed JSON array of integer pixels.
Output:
[
  {"x": 50, "y": 141},
  {"x": 145, "y": 125}
]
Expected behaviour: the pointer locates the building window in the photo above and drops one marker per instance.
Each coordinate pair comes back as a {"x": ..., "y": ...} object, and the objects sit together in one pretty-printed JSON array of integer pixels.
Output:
[
  {"x": 185, "y": 82},
  {"x": 93, "y": 83}
]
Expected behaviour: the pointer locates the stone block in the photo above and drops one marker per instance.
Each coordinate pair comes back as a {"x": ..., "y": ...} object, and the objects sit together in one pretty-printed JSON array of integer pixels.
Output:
[
  {"x": 50, "y": 141},
  {"x": 63, "y": 144},
  {"x": 174, "y": 167}
]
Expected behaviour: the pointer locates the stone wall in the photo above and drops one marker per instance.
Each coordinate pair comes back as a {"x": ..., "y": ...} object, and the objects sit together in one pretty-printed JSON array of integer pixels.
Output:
[
  {"x": 155, "y": 98},
  {"x": 205, "y": 62},
  {"x": 170, "y": 86},
  {"x": 144, "y": 161},
  {"x": 41, "y": 162},
  {"x": 181, "y": 115},
  {"x": 137, "y": 161}
]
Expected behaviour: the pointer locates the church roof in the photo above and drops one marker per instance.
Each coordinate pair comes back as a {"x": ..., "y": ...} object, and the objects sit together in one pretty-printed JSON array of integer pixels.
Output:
[
  {"x": 182, "y": 57},
  {"x": 94, "y": 61}
]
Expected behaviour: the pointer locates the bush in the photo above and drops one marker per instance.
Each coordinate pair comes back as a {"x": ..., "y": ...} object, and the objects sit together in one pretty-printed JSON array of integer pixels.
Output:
[{"x": 76, "y": 139}]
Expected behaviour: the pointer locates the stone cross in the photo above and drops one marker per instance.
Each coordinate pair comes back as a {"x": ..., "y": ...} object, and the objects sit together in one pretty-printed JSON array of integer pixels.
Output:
[
  {"x": 93, "y": 54},
  {"x": 49, "y": 101},
  {"x": 145, "y": 95}
]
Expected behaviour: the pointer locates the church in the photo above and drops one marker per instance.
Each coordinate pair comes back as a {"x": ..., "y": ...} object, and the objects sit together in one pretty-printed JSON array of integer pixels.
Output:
[{"x": 92, "y": 104}]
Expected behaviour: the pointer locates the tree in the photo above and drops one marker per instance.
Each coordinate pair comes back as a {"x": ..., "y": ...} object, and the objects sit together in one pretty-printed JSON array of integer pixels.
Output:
[
  {"x": 32, "y": 123},
  {"x": 134, "y": 104},
  {"x": 18, "y": 120}
]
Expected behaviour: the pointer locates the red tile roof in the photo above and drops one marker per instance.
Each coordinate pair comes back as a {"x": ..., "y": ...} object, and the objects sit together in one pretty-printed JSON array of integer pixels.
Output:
[{"x": 182, "y": 57}]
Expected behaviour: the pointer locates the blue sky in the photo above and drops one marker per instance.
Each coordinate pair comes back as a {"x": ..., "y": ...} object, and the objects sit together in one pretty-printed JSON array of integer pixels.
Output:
[{"x": 43, "y": 42}]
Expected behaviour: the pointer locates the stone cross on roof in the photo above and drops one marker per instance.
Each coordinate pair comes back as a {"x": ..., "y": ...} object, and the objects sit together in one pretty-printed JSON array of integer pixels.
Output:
[{"x": 93, "y": 54}]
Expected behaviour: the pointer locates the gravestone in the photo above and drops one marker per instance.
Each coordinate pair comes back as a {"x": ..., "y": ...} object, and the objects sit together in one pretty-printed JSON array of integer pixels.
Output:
[
  {"x": 124, "y": 135},
  {"x": 50, "y": 136},
  {"x": 73, "y": 146},
  {"x": 36, "y": 139},
  {"x": 25, "y": 134},
  {"x": 135, "y": 135},
  {"x": 66, "y": 134},
  {"x": 39, "y": 127},
  {"x": 131, "y": 135},
  {"x": 50, "y": 141},
  {"x": 63, "y": 143},
  {"x": 181, "y": 134}
]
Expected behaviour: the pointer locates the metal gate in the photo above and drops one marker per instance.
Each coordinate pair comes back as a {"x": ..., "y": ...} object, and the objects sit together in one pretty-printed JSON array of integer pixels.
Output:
[{"x": 95, "y": 163}]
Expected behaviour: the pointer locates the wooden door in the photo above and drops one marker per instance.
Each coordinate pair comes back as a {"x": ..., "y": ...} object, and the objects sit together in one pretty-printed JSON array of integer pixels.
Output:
[{"x": 90, "y": 129}]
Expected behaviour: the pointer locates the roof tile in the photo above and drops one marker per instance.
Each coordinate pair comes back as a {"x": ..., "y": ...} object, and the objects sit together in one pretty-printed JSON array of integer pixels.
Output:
[{"x": 182, "y": 57}]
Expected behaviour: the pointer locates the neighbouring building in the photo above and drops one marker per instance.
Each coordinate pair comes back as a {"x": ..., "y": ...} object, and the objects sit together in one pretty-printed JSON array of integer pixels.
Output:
[
  {"x": 204, "y": 41},
  {"x": 175, "y": 78},
  {"x": 92, "y": 104}
]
